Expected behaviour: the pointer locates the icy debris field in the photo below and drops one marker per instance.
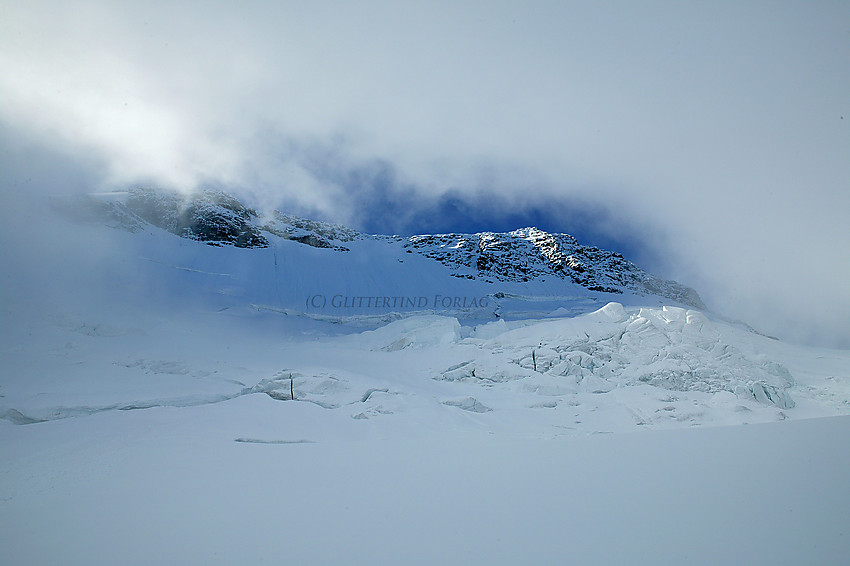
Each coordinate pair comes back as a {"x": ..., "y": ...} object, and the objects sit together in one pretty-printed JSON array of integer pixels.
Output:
[
  {"x": 165, "y": 402},
  {"x": 669, "y": 348},
  {"x": 613, "y": 369},
  {"x": 244, "y": 436}
]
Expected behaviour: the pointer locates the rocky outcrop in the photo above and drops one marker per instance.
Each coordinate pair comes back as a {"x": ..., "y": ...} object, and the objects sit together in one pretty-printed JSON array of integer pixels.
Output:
[
  {"x": 212, "y": 217},
  {"x": 528, "y": 254},
  {"x": 532, "y": 254}
]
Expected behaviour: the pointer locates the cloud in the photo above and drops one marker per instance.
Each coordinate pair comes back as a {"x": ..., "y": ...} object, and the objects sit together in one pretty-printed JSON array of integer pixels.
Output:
[{"x": 716, "y": 131}]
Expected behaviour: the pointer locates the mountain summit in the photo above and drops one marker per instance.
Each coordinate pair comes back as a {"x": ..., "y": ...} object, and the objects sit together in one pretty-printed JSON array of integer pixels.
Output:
[{"x": 522, "y": 263}]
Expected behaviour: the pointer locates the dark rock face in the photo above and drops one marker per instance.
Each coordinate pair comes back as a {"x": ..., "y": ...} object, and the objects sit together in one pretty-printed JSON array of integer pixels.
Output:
[
  {"x": 218, "y": 219},
  {"x": 311, "y": 232},
  {"x": 214, "y": 218},
  {"x": 529, "y": 253}
]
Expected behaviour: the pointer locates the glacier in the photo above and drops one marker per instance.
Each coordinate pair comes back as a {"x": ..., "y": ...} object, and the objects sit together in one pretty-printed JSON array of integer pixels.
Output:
[{"x": 169, "y": 398}]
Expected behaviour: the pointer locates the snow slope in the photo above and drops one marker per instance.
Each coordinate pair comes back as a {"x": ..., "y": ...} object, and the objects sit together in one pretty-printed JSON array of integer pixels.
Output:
[
  {"x": 148, "y": 414},
  {"x": 292, "y": 263}
]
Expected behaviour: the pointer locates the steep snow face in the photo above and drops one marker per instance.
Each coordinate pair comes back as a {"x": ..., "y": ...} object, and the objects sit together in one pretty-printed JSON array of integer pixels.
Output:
[{"x": 552, "y": 264}]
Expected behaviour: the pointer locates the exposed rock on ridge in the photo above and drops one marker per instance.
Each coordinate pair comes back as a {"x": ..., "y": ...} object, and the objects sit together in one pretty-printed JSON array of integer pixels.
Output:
[
  {"x": 214, "y": 218},
  {"x": 528, "y": 254}
]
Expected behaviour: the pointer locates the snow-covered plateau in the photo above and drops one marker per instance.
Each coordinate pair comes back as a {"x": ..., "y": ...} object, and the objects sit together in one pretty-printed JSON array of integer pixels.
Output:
[{"x": 186, "y": 382}]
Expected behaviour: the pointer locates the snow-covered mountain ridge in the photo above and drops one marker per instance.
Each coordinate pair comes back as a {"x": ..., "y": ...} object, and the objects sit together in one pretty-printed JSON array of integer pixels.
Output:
[
  {"x": 530, "y": 253},
  {"x": 521, "y": 256},
  {"x": 512, "y": 327},
  {"x": 144, "y": 371}
]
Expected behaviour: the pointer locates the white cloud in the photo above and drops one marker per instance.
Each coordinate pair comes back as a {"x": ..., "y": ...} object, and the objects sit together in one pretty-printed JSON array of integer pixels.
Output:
[{"x": 717, "y": 126}]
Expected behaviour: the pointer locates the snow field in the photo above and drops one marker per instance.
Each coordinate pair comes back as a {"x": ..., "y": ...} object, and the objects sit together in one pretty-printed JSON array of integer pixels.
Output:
[{"x": 166, "y": 402}]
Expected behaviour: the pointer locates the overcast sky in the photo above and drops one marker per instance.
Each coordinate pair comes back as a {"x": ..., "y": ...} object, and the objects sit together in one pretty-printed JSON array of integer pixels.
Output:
[{"x": 712, "y": 138}]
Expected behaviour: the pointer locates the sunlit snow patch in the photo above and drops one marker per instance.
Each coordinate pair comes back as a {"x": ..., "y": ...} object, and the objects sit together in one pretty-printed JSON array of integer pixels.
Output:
[
  {"x": 412, "y": 332},
  {"x": 671, "y": 348}
]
